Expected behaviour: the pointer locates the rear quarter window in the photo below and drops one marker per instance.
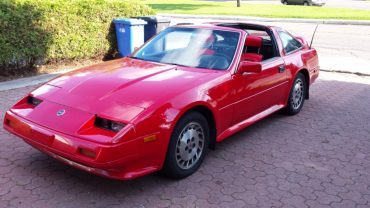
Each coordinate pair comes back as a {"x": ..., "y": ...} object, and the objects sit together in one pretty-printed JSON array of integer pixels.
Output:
[{"x": 289, "y": 42}]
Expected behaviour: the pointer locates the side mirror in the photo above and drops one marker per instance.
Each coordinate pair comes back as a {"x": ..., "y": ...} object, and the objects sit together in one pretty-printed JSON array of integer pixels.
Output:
[{"x": 249, "y": 67}]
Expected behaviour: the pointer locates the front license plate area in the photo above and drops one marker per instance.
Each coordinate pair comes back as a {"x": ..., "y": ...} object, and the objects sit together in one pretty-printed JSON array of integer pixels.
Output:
[{"x": 41, "y": 136}]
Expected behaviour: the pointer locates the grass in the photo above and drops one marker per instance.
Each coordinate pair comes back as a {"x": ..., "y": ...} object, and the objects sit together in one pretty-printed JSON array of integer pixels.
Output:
[{"x": 260, "y": 10}]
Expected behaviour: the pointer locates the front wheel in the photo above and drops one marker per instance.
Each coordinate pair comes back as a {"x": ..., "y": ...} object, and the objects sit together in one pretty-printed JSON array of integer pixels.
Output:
[
  {"x": 188, "y": 146},
  {"x": 297, "y": 95},
  {"x": 285, "y": 2}
]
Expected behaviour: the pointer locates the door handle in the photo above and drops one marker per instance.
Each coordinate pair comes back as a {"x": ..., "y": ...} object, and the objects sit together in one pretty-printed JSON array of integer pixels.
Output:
[{"x": 281, "y": 68}]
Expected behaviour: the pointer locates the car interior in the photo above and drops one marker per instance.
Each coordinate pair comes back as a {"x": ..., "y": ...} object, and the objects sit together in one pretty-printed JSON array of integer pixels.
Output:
[
  {"x": 260, "y": 44},
  {"x": 218, "y": 54}
]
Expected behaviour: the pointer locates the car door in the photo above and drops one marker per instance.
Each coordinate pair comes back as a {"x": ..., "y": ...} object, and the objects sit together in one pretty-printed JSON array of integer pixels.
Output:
[
  {"x": 257, "y": 92},
  {"x": 295, "y": 1}
]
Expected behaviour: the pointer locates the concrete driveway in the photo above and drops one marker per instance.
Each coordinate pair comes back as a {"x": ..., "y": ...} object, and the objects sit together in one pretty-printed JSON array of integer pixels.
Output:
[{"x": 318, "y": 158}]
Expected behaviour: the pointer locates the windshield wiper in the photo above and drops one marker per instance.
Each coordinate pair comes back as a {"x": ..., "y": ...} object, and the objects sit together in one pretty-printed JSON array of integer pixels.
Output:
[
  {"x": 137, "y": 58},
  {"x": 133, "y": 57},
  {"x": 180, "y": 65},
  {"x": 176, "y": 64}
]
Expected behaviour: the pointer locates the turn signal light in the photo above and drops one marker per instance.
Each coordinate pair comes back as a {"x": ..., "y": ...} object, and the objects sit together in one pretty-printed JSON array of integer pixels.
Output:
[
  {"x": 108, "y": 124},
  {"x": 150, "y": 138},
  {"x": 87, "y": 152}
]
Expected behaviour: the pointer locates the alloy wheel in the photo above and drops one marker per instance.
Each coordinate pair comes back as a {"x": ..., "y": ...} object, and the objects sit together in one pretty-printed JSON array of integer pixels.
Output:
[
  {"x": 189, "y": 145},
  {"x": 298, "y": 94}
]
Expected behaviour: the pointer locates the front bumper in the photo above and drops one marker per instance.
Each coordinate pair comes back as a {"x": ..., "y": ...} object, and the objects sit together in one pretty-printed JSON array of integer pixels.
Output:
[{"x": 126, "y": 160}]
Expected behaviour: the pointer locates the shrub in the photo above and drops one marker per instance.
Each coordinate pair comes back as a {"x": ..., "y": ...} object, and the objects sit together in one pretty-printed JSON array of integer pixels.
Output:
[{"x": 36, "y": 32}]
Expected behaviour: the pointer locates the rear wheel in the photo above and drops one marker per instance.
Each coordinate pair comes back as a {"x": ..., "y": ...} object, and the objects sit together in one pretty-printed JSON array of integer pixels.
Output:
[
  {"x": 188, "y": 146},
  {"x": 306, "y": 3},
  {"x": 297, "y": 95},
  {"x": 285, "y": 2}
]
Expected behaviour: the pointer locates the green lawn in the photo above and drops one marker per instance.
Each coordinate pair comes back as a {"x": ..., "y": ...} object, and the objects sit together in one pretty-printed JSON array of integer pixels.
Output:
[{"x": 260, "y": 10}]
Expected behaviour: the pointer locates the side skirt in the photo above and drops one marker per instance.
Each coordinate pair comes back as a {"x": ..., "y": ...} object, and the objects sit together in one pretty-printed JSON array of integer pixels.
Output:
[{"x": 239, "y": 126}]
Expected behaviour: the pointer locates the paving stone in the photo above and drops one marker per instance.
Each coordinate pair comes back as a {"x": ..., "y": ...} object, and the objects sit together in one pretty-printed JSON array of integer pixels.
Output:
[{"x": 318, "y": 158}]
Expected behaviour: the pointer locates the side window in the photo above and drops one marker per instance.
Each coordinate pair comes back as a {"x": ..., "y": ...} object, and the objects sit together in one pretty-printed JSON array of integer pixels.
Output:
[
  {"x": 261, "y": 33},
  {"x": 289, "y": 43},
  {"x": 268, "y": 49}
]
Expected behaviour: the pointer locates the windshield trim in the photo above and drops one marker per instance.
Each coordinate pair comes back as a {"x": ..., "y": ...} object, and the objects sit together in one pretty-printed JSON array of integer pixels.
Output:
[{"x": 231, "y": 65}]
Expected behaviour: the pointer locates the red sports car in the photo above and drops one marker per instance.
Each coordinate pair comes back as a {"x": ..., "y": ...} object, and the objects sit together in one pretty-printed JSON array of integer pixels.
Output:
[{"x": 162, "y": 108}]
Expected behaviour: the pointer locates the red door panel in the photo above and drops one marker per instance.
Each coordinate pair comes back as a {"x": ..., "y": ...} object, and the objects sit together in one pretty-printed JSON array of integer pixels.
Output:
[{"x": 257, "y": 92}]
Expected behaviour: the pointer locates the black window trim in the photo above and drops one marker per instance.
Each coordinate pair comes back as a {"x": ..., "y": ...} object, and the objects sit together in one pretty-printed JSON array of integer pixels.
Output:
[{"x": 293, "y": 51}]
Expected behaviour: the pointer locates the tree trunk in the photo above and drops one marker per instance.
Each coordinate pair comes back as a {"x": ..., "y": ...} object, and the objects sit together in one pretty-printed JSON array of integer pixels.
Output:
[{"x": 238, "y": 3}]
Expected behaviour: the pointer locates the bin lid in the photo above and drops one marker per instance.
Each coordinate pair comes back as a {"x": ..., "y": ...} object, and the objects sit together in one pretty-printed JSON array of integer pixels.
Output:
[
  {"x": 129, "y": 21},
  {"x": 155, "y": 19}
]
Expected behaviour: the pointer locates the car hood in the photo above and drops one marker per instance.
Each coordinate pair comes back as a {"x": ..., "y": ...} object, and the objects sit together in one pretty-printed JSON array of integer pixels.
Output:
[{"x": 119, "y": 88}]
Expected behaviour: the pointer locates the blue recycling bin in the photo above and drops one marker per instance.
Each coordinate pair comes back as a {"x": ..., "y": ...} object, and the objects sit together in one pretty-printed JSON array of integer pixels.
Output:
[{"x": 130, "y": 34}]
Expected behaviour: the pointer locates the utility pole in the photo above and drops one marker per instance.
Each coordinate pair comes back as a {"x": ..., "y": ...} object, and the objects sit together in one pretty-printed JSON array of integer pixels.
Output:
[{"x": 238, "y": 3}]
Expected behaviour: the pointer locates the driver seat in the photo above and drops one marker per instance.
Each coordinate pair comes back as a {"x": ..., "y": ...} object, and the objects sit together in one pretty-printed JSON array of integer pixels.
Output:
[{"x": 253, "y": 45}]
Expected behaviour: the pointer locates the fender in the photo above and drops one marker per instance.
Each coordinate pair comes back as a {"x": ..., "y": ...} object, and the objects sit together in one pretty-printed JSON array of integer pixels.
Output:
[
  {"x": 176, "y": 114},
  {"x": 305, "y": 72}
]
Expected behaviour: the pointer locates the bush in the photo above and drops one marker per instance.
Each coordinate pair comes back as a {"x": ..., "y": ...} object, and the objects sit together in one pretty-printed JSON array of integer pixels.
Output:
[{"x": 36, "y": 32}]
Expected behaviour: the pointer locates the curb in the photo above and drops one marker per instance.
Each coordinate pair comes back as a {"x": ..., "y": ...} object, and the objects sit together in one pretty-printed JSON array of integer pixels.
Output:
[
  {"x": 347, "y": 72},
  {"x": 29, "y": 81},
  {"x": 265, "y": 19}
]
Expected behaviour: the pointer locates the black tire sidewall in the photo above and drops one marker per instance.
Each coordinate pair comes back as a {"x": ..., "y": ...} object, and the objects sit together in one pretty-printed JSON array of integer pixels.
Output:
[
  {"x": 171, "y": 168},
  {"x": 290, "y": 109}
]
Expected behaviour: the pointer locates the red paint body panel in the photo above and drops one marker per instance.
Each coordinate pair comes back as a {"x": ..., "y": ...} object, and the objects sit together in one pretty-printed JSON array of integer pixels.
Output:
[{"x": 149, "y": 98}]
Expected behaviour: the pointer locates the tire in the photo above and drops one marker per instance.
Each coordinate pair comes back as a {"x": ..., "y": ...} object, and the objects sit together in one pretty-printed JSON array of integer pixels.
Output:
[
  {"x": 306, "y": 3},
  {"x": 297, "y": 95},
  {"x": 285, "y": 2},
  {"x": 188, "y": 146}
]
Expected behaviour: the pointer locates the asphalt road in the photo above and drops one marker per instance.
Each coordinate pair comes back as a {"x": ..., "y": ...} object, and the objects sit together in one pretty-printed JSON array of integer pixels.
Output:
[
  {"x": 352, "y": 4},
  {"x": 340, "y": 47}
]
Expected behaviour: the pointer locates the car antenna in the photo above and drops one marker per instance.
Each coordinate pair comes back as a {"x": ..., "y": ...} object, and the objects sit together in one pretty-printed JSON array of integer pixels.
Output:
[{"x": 313, "y": 35}]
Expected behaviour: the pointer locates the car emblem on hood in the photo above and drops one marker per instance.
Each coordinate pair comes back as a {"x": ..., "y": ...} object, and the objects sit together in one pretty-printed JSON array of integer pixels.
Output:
[{"x": 61, "y": 112}]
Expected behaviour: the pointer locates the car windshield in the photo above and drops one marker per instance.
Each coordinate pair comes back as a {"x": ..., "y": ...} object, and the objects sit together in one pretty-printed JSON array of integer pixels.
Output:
[{"x": 191, "y": 47}]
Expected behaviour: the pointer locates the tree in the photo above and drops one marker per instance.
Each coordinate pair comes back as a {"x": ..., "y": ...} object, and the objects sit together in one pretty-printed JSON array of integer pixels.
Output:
[{"x": 238, "y": 3}]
